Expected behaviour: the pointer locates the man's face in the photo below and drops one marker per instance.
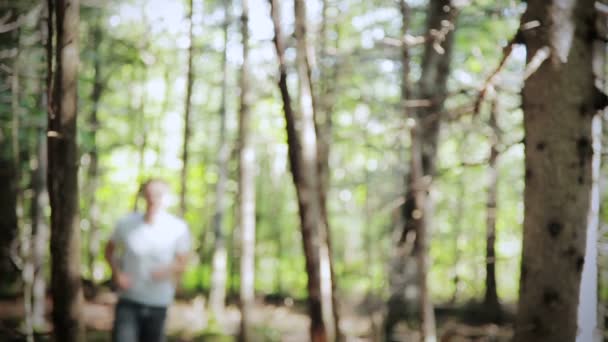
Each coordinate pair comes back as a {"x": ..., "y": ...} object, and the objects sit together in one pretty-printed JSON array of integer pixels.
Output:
[{"x": 155, "y": 194}]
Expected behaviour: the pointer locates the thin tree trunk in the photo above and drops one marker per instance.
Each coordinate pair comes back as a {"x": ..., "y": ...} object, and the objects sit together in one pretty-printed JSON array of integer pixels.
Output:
[
  {"x": 40, "y": 231},
  {"x": 94, "y": 242},
  {"x": 491, "y": 303},
  {"x": 66, "y": 285},
  {"x": 418, "y": 209},
  {"x": 588, "y": 310},
  {"x": 559, "y": 159},
  {"x": 187, "y": 110},
  {"x": 322, "y": 108},
  {"x": 246, "y": 196},
  {"x": 217, "y": 296},
  {"x": 399, "y": 305},
  {"x": 303, "y": 161}
]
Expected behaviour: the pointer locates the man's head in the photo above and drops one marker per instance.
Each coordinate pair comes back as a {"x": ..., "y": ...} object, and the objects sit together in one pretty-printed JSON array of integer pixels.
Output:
[{"x": 156, "y": 194}]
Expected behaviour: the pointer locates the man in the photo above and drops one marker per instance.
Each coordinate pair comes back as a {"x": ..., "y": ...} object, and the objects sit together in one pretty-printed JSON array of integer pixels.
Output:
[{"x": 147, "y": 253}]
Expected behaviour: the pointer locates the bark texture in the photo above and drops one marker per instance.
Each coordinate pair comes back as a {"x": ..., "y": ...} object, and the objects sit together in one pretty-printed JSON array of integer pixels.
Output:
[
  {"x": 560, "y": 102},
  {"x": 491, "y": 302},
  {"x": 410, "y": 281},
  {"x": 63, "y": 177},
  {"x": 302, "y": 150}
]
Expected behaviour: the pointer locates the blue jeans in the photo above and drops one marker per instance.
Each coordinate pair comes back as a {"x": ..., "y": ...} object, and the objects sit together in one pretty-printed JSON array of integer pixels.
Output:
[{"x": 135, "y": 322}]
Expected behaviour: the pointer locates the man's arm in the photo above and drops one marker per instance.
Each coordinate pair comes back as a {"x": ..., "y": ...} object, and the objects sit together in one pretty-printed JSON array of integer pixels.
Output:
[{"x": 119, "y": 278}]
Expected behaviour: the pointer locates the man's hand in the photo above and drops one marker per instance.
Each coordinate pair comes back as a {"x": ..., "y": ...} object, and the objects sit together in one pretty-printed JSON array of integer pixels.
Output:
[
  {"x": 172, "y": 270},
  {"x": 122, "y": 280}
]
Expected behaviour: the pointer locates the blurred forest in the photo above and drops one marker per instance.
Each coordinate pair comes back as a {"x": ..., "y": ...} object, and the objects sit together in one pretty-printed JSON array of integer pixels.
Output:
[{"x": 380, "y": 170}]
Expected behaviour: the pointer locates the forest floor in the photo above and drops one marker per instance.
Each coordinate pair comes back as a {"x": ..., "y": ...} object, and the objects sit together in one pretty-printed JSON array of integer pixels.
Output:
[{"x": 189, "y": 321}]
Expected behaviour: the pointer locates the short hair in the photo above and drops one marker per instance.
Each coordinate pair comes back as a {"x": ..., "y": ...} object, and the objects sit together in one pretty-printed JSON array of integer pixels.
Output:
[{"x": 154, "y": 181}]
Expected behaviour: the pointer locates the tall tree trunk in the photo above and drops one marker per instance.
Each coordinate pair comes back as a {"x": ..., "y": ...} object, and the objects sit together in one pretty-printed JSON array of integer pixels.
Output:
[
  {"x": 217, "y": 296},
  {"x": 302, "y": 152},
  {"x": 39, "y": 203},
  {"x": 94, "y": 235},
  {"x": 559, "y": 165},
  {"x": 322, "y": 107},
  {"x": 8, "y": 181},
  {"x": 187, "y": 109},
  {"x": 418, "y": 209},
  {"x": 63, "y": 177},
  {"x": 589, "y": 330},
  {"x": 246, "y": 195},
  {"x": 491, "y": 302}
]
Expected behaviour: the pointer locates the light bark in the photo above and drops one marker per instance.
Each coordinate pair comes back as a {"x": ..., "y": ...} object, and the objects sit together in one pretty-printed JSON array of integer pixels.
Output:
[
  {"x": 588, "y": 311},
  {"x": 219, "y": 273},
  {"x": 246, "y": 183},
  {"x": 491, "y": 303}
]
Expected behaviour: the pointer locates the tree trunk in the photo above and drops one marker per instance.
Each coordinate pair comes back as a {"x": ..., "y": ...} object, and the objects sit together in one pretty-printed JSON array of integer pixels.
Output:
[
  {"x": 588, "y": 294},
  {"x": 63, "y": 177},
  {"x": 491, "y": 302},
  {"x": 187, "y": 109},
  {"x": 217, "y": 296},
  {"x": 8, "y": 181},
  {"x": 40, "y": 233},
  {"x": 322, "y": 108},
  {"x": 246, "y": 196},
  {"x": 39, "y": 202},
  {"x": 418, "y": 209},
  {"x": 94, "y": 236},
  {"x": 302, "y": 152},
  {"x": 559, "y": 166}
]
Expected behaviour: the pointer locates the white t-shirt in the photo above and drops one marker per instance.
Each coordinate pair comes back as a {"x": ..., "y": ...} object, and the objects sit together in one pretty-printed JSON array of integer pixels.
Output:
[{"x": 145, "y": 248}]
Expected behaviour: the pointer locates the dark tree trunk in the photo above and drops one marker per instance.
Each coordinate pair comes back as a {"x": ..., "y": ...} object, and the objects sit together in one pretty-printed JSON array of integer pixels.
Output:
[
  {"x": 63, "y": 177},
  {"x": 303, "y": 163},
  {"x": 491, "y": 302},
  {"x": 560, "y": 102},
  {"x": 187, "y": 110}
]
